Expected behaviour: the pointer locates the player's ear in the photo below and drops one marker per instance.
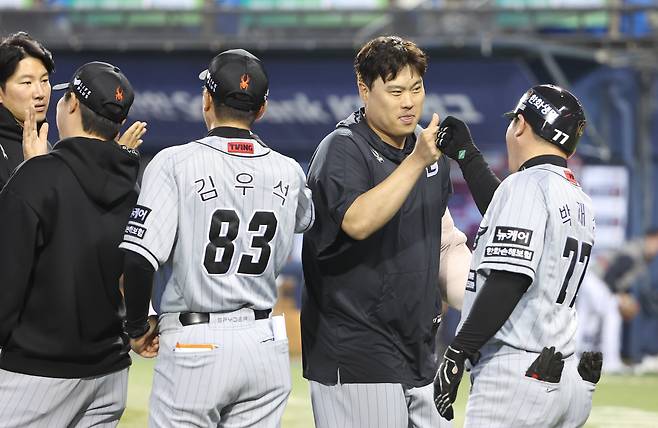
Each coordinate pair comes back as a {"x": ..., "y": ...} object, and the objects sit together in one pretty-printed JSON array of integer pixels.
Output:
[
  {"x": 520, "y": 125},
  {"x": 261, "y": 110},
  {"x": 73, "y": 104},
  {"x": 364, "y": 91},
  {"x": 206, "y": 100}
]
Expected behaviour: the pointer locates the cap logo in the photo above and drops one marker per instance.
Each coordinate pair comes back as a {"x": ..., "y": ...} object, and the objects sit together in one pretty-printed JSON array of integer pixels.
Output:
[
  {"x": 118, "y": 94},
  {"x": 244, "y": 81},
  {"x": 543, "y": 107},
  {"x": 211, "y": 84},
  {"x": 83, "y": 90},
  {"x": 581, "y": 128}
]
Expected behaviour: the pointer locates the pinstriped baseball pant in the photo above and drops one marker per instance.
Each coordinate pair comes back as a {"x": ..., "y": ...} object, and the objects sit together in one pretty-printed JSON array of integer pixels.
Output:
[
  {"x": 502, "y": 396},
  {"x": 34, "y": 401},
  {"x": 374, "y": 405},
  {"x": 241, "y": 380}
]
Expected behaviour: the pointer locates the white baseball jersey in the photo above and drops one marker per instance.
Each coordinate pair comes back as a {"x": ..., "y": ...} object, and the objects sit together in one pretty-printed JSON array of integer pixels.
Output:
[
  {"x": 540, "y": 223},
  {"x": 217, "y": 217}
]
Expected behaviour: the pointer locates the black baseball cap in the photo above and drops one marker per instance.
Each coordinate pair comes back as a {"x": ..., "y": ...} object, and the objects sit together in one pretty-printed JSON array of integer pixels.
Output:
[
  {"x": 237, "y": 78},
  {"x": 103, "y": 88}
]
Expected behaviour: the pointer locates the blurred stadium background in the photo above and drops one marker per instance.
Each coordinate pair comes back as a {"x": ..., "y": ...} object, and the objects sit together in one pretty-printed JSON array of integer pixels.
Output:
[{"x": 483, "y": 55}]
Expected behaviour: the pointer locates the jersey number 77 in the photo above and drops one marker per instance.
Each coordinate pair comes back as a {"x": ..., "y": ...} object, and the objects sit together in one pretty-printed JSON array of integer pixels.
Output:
[{"x": 574, "y": 251}]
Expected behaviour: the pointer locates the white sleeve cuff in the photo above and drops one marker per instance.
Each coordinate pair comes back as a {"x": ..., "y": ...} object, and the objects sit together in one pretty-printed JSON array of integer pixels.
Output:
[{"x": 142, "y": 251}]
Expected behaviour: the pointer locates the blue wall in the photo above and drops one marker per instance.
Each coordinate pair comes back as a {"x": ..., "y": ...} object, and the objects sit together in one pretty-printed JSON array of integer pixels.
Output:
[{"x": 307, "y": 97}]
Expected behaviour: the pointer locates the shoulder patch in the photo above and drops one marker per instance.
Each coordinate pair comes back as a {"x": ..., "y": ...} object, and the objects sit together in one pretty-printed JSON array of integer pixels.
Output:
[
  {"x": 139, "y": 214},
  {"x": 512, "y": 235},
  {"x": 136, "y": 231},
  {"x": 571, "y": 177}
]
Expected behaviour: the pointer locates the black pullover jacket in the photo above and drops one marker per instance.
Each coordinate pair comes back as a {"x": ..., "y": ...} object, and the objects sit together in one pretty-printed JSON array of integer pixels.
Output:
[{"x": 62, "y": 216}]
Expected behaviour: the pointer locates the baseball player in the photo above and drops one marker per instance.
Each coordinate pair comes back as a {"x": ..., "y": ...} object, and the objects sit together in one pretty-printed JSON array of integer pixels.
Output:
[
  {"x": 25, "y": 69},
  {"x": 383, "y": 244},
  {"x": 216, "y": 219},
  {"x": 64, "y": 359},
  {"x": 531, "y": 253}
]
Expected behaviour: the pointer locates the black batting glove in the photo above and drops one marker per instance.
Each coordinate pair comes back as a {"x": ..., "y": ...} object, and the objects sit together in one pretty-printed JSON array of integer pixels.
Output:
[
  {"x": 547, "y": 367},
  {"x": 454, "y": 139},
  {"x": 447, "y": 381},
  {"x": 590, "y": 365}
]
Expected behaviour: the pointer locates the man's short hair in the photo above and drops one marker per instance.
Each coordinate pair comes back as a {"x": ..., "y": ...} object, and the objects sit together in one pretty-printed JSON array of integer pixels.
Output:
[
  {"x": 224, "y": 112},
  {"x": 15, "y": 48},
  {"x": 94, "y": 123},
  {"x": 385, "y": 57}
]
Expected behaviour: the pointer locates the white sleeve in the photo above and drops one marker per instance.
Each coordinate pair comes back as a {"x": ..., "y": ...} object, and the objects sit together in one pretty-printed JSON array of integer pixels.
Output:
[
  {"x": 455, "y": 262},
  {"x": 153, "y": 222},
  {"x": 305, "y": 214},
  {"x": 517, "y": 224}
]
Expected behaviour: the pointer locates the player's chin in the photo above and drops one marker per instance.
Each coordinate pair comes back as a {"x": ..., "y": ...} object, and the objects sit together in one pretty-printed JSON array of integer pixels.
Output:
[
  {"x": 40, "y": 117},
  {"x": 404, "y": 129}
]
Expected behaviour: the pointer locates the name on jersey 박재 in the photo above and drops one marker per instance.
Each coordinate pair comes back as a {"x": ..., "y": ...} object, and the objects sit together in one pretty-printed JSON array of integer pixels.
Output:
[
  {"x": 244, "y": 147},
  {"x": 139, "y": 214},
  {"x": 512, "y": 235}
]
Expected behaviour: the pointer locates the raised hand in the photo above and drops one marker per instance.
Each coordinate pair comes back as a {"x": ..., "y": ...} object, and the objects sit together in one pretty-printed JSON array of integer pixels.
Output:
[
  {"x": 454, "y": 139},
  {"x": 132, "y": 138},
  {"x": 35, "y": 143},
  {"x": 426, "y": 150}
]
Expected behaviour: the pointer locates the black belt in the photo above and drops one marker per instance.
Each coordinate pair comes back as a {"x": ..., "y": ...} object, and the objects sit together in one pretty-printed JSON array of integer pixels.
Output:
[{"x": 190, "y": 318}]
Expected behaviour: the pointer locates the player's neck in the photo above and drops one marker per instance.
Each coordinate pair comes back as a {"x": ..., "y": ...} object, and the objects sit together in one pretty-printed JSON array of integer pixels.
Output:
[
  {"x": 78, "y": 132},
  {"x": 536, "y": 149},
  {"x": 227, "y": 123},
  {"x": 394, "y": 141}
]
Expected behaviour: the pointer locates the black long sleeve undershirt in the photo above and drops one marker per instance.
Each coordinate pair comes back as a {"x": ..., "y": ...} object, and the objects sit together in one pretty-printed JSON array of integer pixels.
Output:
[
  {"x": 481, "y": 180},
  {"x": 137, "y": 285},
  {"x": 493, "y": 305}
]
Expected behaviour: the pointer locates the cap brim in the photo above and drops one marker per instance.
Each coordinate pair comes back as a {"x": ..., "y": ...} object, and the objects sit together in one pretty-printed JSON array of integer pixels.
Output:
[
  {"x": 203, "y": 75},
  {"x": 510, "y": 115},
  {"x": 61, "y": 86}
]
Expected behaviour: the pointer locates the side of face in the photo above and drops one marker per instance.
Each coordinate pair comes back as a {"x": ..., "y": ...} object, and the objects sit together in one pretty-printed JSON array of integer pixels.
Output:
[
  {"x": 207, "y": 108},
  {"x": 69, "y": 120},
  {"x": 651, "y": 244},
  {"x": 394, "y": 107},
  {"x": 515, "y": 130},
  {"x": 28, "y": 86}
]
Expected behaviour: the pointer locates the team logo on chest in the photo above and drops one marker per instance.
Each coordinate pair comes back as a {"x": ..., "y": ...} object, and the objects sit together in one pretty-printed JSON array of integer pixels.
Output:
[
  {"x": 432, "y": 170},
  {"x": 379, "y": 157}
]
